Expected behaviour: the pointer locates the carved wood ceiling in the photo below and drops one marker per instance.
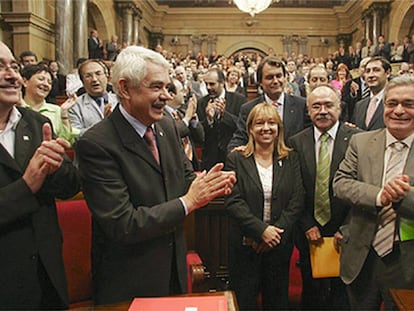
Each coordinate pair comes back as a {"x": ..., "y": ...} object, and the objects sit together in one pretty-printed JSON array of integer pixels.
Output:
[{"x": 229, "y": 3}]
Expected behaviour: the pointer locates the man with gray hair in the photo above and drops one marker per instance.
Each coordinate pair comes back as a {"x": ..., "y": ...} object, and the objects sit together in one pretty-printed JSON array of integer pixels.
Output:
[{"x": 140, "y": 185}]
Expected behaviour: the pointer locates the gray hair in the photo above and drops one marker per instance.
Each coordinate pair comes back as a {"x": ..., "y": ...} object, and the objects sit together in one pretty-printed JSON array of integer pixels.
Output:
[
  {"x": 404, "y": 80},
  {"x": 131, "y": 65}
]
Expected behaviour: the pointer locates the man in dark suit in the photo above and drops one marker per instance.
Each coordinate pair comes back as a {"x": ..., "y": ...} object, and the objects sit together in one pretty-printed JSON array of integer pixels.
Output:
[
  {"x": 271, "y": 73},
  {"x": 189, "y": 127},
  {"x": 95, "y": 46},
  {"x": 218, "y": 113},
  {"x": 140, "y": 185},
  {"x": 368, "y": 114},
  {"x": 383, "y": 48},
  {"x": 324, "y": 109},
  {"x": 354, "y": 90},
  {"x": 33, "y": 172},
  {"x": 377, "y": 178}
]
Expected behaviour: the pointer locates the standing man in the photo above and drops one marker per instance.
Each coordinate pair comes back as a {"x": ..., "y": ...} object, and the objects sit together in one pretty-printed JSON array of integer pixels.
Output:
[
  {"x": 377, "y": 178},
  {"x": 354, "y": 90},
  {"x": 96, "y": 104},
  {"x": 383, "y": 48},
  {"x": 113, "y": 48},
  {"x": 368, "y": 113},
  {"x": 190, "y": 129},
  {"x": 95, "y": 46},
  {"x": 271, "y": 73},
  {"x": 218, "y": 113},
  {"x": 327, "y": 137},
  {"x": 139, "y": 185},
  {"x": 33, "y": 172}
]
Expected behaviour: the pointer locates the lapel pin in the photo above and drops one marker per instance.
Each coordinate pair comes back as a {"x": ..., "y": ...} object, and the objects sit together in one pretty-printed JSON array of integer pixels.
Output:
[
  {"x": 26, "y": 138},
  {"x": 280, "y": 163},
  {"x": 161, "y": 134}
]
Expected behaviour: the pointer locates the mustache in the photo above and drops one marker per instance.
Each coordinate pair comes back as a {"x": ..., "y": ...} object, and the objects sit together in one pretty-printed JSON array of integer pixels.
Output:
[{"x": 323, "y": 117}]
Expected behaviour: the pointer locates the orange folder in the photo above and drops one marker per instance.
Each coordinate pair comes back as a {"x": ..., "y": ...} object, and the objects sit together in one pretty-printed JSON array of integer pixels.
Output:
[
  {"x": 193, "y": 303},
  {"x": 324, "y": 259}
]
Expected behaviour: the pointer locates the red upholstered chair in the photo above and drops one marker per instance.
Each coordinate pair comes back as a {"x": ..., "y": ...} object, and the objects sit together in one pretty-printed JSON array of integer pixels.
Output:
[{"x": 75, "y": 221}]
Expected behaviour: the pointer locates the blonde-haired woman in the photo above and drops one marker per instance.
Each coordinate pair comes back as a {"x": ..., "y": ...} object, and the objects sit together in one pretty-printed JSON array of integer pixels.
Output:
[{"x": 265, "y": 203}]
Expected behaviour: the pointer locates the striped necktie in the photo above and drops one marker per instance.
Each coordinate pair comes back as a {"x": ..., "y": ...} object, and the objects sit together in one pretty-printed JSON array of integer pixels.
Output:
[
  {"x": 322, "y": 211},
  {"x": 384, "y": 238},
  {"x": 365, "y": 92}
]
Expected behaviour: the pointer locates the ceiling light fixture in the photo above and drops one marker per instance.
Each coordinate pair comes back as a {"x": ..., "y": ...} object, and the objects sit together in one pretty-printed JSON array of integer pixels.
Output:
[{"x": 253, "y": 6}]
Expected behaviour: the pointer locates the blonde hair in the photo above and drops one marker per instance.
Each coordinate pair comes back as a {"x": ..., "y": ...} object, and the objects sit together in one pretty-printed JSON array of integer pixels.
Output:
[{"x": 264, "y": 109}]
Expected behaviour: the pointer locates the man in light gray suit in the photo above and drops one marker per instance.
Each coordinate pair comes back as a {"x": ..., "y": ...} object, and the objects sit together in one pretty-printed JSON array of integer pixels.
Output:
[
  {"x": 96, "y": 103},
  {"x": 380, "y": 200}
]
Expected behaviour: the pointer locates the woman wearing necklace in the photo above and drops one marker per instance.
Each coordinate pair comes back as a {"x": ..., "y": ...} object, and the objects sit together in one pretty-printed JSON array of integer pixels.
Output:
[
  {"x": 232, "y": 81},
  {"x": 265, "y": 202},
  {"x": 37, "y": 82}
]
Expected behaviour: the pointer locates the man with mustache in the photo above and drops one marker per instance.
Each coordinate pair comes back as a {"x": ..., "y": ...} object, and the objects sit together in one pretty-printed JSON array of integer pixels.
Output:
[
  {"x": 324, "y": 108},
  {"x": 376, "y": 178},
  {"x": 368, "y": 113},
  {"x": 33, "y": 172},
  {"x": 140, "y": 185}
]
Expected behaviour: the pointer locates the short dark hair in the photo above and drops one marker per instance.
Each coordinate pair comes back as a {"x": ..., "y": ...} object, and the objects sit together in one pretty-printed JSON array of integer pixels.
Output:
[
  {"x": 220, "y": 74},
  {"x": 384, "y": 62},
  {"x": 88, "y": 61},
  {"x": 31, "y": 70},
  {"x": 271, "y": 61},
  {"x": 27, "y": 53}
]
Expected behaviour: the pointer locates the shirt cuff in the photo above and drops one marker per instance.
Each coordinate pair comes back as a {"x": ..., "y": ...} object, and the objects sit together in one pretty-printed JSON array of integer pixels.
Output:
[{"x": 184, "y": 205}]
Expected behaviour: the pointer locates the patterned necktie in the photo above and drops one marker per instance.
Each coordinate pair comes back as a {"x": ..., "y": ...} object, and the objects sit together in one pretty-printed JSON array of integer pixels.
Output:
[
  {"x": 371, "y": 110},
  {"x": 188, "y": 149},
  {"x": 322, "y": 210},
  {"x": 152, "y": 145},
  {"x": 365, "y": 92},
  {"x": 384, "y": 238}
]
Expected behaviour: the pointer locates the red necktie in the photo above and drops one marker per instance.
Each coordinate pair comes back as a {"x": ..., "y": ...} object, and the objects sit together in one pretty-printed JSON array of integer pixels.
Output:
[{"x": 152, "y": 145}]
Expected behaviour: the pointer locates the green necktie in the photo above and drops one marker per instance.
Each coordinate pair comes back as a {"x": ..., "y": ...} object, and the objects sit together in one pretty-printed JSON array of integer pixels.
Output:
[
  {"x": 407, "y": 227},
  {"x": 322, "y": 207}
]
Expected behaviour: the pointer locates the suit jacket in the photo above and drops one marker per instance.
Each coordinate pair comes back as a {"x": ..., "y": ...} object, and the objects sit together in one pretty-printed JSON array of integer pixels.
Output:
[
  {"x": 112, "y": 50},
  {"x": 245, "y": 204},
  {"x": 219, "y": 133},
  {"x": 350, "y": 100},
  {"x": 358, "y": 181},
  {"x": 194, "y": 134},
  {"x": 295, "y": 119},
  {"x": 94, "y": 50},
  {"x": 360, "y": 114},
  {"x": 304, "y": 144},
  {"x": 30, "y": 235},
  {"x": 137, "y": 218},
  {"x": 86, "y": 113}
]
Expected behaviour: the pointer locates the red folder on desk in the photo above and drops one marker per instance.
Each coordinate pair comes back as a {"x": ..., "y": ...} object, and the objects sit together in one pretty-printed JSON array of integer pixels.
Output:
[{"x": 192, "y": 303}]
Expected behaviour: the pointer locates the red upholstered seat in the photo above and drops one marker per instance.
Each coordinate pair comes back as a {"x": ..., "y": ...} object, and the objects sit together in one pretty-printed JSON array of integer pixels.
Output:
[{"x": 75, "y": 221}]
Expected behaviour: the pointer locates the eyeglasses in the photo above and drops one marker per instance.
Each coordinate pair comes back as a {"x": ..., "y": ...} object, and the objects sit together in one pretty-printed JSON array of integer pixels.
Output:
[
  {"x": 14, "y": 67},
  {"x": 394, "y": 104}
]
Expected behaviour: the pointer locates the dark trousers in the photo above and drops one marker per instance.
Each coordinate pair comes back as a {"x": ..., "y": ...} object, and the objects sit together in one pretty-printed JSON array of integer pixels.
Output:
[
  {"x": 377, "y": 276},
  {"x": 267, "y": 274}
]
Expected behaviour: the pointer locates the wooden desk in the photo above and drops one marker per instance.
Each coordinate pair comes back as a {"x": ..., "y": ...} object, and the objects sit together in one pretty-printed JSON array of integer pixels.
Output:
[
  {"x": 403, "y": 298},
  {"x": 123, "y": 306}
]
